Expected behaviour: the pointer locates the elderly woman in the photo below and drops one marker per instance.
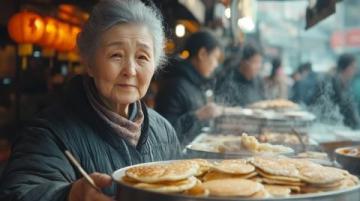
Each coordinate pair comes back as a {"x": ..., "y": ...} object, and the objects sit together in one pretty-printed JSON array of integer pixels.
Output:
[{"x": 101, "y": 120}]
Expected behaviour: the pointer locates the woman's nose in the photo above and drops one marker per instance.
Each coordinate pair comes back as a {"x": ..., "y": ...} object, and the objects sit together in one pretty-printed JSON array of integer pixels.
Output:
[{"x": 129, "y": 68}]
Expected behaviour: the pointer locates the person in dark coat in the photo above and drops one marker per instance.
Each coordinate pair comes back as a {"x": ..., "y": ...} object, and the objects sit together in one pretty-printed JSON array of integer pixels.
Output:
[
  {"x": 276, "y": 84},
  {"x": 182, "y": 97},
  {"x": 335, "y": 94},
  {"x": 304, "y": 89},
  {"x": 101, "y": 119},
  {"x": 242, "y": 85}
]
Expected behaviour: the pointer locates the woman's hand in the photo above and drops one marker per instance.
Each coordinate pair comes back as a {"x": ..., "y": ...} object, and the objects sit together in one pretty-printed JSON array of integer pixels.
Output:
[
  {"x": 209, "y": 111},
  {"x": 82, "y": 191}
]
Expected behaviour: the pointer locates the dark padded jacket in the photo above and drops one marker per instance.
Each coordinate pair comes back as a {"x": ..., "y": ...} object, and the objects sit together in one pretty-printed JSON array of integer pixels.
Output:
[
  {"x": 38, "y": 169},
  {"x": 182, "y": 93},
  {"x": 334, "y": 101},
  {"x": 235, "y": 90}
]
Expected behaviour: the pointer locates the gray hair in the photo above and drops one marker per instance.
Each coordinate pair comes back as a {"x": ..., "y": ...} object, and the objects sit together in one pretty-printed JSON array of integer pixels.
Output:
[{"x": 108, "y": 13}]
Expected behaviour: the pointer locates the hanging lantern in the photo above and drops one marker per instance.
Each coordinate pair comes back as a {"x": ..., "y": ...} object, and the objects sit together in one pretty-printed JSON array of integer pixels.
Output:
[
  {"x": 50, "y": 32},
  {"x": 74, "y": 32},
  {"x": 62, "y": 36},
  {"x": 25, "y": 28},
  {"x": 69, "y": 42}
]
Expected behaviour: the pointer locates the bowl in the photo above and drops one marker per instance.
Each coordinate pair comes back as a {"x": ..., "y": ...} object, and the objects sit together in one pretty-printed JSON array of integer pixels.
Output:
[{"x": 349, "y": 158}]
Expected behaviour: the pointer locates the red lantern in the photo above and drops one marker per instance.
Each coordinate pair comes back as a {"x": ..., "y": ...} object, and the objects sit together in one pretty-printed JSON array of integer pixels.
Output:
[
  {"x": 26, "y": 27},
  {"x": 50, "y": 33},
  {"x": 74, "y": 32},
  {"x": 62, "y": 36},
  {"x": 69, "y": 42}
]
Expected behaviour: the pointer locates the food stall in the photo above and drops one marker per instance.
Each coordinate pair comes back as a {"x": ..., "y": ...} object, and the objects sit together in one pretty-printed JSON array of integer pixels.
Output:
[{"x": 256, "y": 166}]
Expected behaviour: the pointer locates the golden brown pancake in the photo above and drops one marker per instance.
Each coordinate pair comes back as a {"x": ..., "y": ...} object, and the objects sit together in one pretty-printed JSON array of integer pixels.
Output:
[
  {"x": 275, "y": 167},
  {"x": 169, "y": 187},
  {"x": 262, "y": 194},
  {"x": 198, "y": 190},
  {"x": 278, "y": 191},
  {"x": 277, "y": 178},
  {"x": 203, "y": 164},
  {"x": 239, "y": 166},
  {"x": 129, "y": 181},
  {"x": 175, "y": 171},
  {"x": 315, "y": 189},
  {"x": 213, "y": 175},
  {"x": 232, "y": 187},
  {"x": 281, "y": 182},
  {"x": 321, "y": 175}
]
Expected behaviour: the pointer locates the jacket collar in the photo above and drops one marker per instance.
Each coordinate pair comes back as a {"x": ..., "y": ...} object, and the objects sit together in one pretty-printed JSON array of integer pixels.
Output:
[
  {"x": 189, "y": 71},
  {"x": 75, "y": 98}
]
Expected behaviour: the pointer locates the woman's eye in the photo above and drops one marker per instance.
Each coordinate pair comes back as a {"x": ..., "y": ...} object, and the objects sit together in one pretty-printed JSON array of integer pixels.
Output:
[
  {"x": 116, "y": 55},
  {"x": 143, "y": 57}
]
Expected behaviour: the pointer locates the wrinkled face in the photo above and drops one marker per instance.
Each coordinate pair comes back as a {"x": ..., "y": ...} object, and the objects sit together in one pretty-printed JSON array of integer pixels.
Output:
[
  {"x": 123, "y": 63},
  {"x": 209, "y": 61},
  {"x": 253, "y": 65}
]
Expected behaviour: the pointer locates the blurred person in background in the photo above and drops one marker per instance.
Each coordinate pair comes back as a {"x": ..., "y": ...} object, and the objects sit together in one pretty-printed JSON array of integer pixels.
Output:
[
  {"x": 356, "y": 89},
  {"x": 277, "y": 83},
  {"x": 242, "y": 85},
  {"x": 100, "y": 119},
  {"x": 304, "y": 88},
  {"x": 182, "y": 96},
  {"x": 336, "y": 91}
]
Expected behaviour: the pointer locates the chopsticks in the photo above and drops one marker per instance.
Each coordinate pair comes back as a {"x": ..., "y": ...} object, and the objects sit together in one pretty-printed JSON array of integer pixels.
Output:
[{"x": 82, "y": 171}]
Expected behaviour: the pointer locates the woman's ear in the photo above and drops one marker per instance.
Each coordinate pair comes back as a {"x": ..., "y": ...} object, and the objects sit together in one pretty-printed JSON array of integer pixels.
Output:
[{"x": 90, "y": 71}]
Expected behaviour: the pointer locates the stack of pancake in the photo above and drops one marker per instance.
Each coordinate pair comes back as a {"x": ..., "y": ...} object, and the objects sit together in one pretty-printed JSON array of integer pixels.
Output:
[
  {"x": 302, "y": 176},
  {"x": 257, "y": 177}
]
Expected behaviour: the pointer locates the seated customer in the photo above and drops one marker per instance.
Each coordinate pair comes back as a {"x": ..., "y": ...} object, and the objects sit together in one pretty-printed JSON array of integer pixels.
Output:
[
  {"x": 276, "y": 84},
  {"x": 101, "y": 119},
  {"x": 242, "y": 85},
  {"x": 182, "y": 98},
  {"x": 334, "y": 95}
]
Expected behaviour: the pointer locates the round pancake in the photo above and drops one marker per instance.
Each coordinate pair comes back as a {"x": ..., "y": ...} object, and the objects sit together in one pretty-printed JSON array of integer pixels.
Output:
[
  {"x": 315, "y": 189},
  {"x": 198, "y": 190},
  {"x": 349, "y": 181},
  {"x": 234, "y": 167},
  {"x": 204, "y": 166},
  {"x": 301, "y": 163},
  {"x": 232, "y": 187},
  {"x": 169, "y": 187},
  {"x": 262, "y": 194},
  {"x": 213, "y": 175},
  {"x": 321, "y": 175},
  {"x": 281, "y": 182},
  {"x": 278, "y": 178},
  {"x": 353, "y": 179},
  {"x": 129, "y": 181},
  {"x": 275, "y": 167},
  {"x": 163, "y": 172},
  {"x": 257, "y": 179},
  {"x": 278, "y": 191}
]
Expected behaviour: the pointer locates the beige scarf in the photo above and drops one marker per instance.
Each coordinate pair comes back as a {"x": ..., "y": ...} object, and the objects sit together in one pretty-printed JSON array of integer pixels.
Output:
[{"x": 125, "y": 128}]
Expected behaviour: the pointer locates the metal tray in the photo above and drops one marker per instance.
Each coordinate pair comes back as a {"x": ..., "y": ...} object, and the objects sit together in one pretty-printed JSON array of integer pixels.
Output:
[
  {"x": 126, "y": 192},
  {"x": 276, "y": 122},
  {"x": 193, "y": 153}
]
